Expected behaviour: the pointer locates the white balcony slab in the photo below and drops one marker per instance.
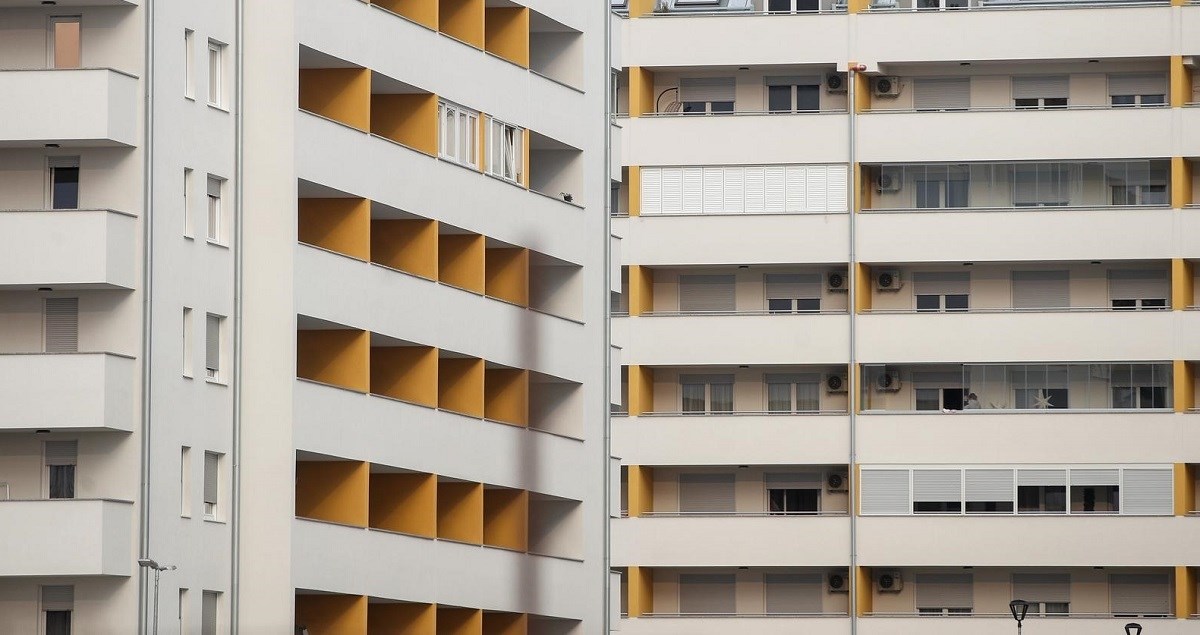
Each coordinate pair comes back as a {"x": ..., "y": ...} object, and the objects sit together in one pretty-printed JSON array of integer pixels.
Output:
[
  {"x": 733, "y": 39},
  {"x": 68, "y": 249},
  {"x": 732, "y": 439},
  {"x": 768, "y": 625},
  {"x": 736, "y": 239},
  {"x": 706, "y": 541},
  {"x": 357, "y": 561},
  {"x": 1188, "y": 141},
  {"x": 1003, "y": 625},
  {"x": 69, "y": 537},
  {"x": 1188, "y": 233},
  {"x": 73, "y": 108},
  {"x": 745, "y": 139},
  {"x": 662, "y": 340},
  {"x": 67, "y": 392}
]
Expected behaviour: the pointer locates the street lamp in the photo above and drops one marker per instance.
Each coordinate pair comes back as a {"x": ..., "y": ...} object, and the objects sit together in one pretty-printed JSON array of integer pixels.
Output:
[
  {"x": 1133, "y": 628},
  {"x": 1019, "y": 608},
  {"x": 158, "y": 569}
]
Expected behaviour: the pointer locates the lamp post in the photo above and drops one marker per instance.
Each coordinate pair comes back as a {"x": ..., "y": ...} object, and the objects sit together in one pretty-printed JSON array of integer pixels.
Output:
[
  {"x": 158, "y": 569},
  {"x": 1133, "y": 628},
  {"x": 1019, "y": 608}
]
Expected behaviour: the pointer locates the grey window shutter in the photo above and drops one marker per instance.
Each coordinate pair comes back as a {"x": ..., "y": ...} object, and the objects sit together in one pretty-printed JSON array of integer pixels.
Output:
[
  {"x": 794, "y": 80},
  {"x": 693, "y": 190},
  {"x": 1041, "y": 478},
  {"x": 706, "y": 89},
  {"x": 734, "y": 183},
  {"x": 1139, "y": 594},
  {"x": 706, "y": 293},
  {"x": 793, "y": 593},
  {"x": 1137, "y": 84},
  {"x": 1042, "y": 587},
  {"x": 808, "y": 480},
  {"x": 672, "y": 191},
  {"x": 714, "y": 190},
  {"x": 58, "y": 598},
  {"x": 1148, "y": 492},
  {"x": 945, "y": 590},
  {"x": 937, "y": 485},
  {"x": 792, "y": 378},
  {"x": 989, "y": 485},
  {"x": 1135, "y": 284},
  {"x": 1040, "y": 86},
  {"x": 1095, "y": 477},
  {"x": 61, "y": 452},
  {"x": 212, "y": 343},
  {"x": 885, "y": 492},
  {"x": 651, "y": 191},
  {"x": 1040, "y": 289},
  {"x": 208, "y": 613},
  {"x": 211, "y": 465},
  {"x": 942, "y": 94},
  {"x": 941, "y": 282},
  {"x": 63, "y": 162},
  {"x": 706, "y": 379},
  {"x": 61, "y": 318},
  {"x": 214, "y": 186},
  {"x": 707, "y": 593},
  {"x": 937, "y": 379},
  {"x": 793, "y": 285},
  {"x": 706, "y": 493}
]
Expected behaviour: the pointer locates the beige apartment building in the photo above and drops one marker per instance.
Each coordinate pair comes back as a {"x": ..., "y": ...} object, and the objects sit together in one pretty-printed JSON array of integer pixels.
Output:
[{"x": 907, "y": 323}]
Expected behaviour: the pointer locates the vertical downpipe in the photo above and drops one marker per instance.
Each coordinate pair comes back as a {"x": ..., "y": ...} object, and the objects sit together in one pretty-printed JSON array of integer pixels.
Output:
[
  {"x": 147, "y": 309},
  {"x": 607, "y": 237},
  {"x": 238, "y": 266},
  {"x": 852, "y": 70}
]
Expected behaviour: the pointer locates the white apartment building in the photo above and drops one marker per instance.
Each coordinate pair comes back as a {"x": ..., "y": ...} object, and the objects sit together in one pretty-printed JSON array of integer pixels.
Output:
[
  {"x": 304, "y": 302},
  {"x": 907, "y": 316}
]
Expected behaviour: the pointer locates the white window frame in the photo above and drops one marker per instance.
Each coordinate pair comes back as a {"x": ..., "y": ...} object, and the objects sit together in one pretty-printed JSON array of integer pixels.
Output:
[
  {"x": 212, "y": 510},
  {"x": 185, "y": 482},
  {"x": 189, "y": 64},
  {"x": 60, "y": 162},
  {"x": 189, "y": 221},
  {"x": 188, "y": 358},
  {"x": 215, "y": 375},
  {"x": 215, "y": 221},
  {"x": 52, "y": 36},
  {"x": 512, "y": 166},
  {"x": 216, "y": 74},
  {"x": 450, "y": 146}
]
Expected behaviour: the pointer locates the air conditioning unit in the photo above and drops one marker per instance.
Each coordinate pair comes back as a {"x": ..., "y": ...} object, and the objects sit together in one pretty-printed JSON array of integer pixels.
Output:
[
  {"x": 885, "y": 86},
  {"x": 888, "y": 280},
  {"x": 836, "y": 582},
  {"x": 836, "y": 481},
  {"x": 836, "y": 281},
  {"x": 888, "y": 381},
  {"x": 835, "y": 83},
  {"x": 890, "y": 181},
  {"x": 836, "y": 383},
  {"x": 890, "y": 582}
]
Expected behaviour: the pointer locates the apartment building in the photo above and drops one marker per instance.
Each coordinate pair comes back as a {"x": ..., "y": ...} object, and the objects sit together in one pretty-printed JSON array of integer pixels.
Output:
[
  {"x": 906, "y": 315},
  {"x": 297, "y": 321}
]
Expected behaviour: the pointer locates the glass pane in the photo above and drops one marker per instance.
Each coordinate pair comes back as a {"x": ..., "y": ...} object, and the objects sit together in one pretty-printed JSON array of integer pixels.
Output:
[
  {"x": 1027, "y": 102},
  {"x": 808, "y": 305},
  {"x": 779, "y": 397},
  {"x": 1154, "y": 100},
  {"x": 1124, "y": 100},
  {"x": 956, "y": 193},
  {"x": 448, "y": 137},
  {"x": 777, "y": 500},
  {"x": 779, "y": 98},
  {"x": 1122, "y": 397},
  {"x": 1058, "y": 608},
  {"x": 929, "y": 303},
  {"x": 693, "y": 398},
  {"x": 1152, "y": 397},
  {"x": 808, "y": 397},
  {"x": 929, "y": 194},
  {"x": 779, "y": 5},
  {"x": 1056, "y": 102},
  {"x": 808, "y": 98},
  {"x": 952, "y": 398},
  {"x": 779, "y": 306},
  {"x": 929, "y": 399},
  {"x": 722, "y": 397},
  {"x": 62, "y": 481},
  {"x": 722, "y": 106},
  {"x": 65, "y": 189},
  {"x": 1095, "y": 499},
  {"x": 957, "y": 302},
  {"x": 58, "y": 623},
  {"x": 694, "y": 107}
]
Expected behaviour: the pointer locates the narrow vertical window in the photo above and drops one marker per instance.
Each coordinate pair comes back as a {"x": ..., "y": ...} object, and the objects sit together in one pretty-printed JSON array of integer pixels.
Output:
[
  {"x": 212, "y": 463},
  {"x": 187, "y": 341},
  {"x": 65, "y": 42},
  {"x": 64, "y": 182},
  {"x": 216, "y": 74},
  {"x": 185, "y": 482},
  {"x": 506, "y": 154},
  {"x": 189, "y": 63},
  {"x": 60, "y": 459},
  {"x": 57, "y": 604},
  {"x": 60, "y": 325},
  {"x": 208, "y": 612},
  {"x": 212, "y": 346},
  {"x": 183, "y": 599},
  {"x": 188, "y": 223},
  {"x": 215, "y": 215}
]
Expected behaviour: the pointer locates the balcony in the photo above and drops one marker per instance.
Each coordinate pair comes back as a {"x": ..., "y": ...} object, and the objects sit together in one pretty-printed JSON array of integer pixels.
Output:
[
  {"x": 762, "y": 541},
  {"x": 67, "y": 249},
  {"x": 731, "y": 439},
  {"x": 723, "y": 625},
  {"x": 73, "y": 108},
  {"x": 750, "y": 39},
  {"x": 679, "y": 240},
  {"x": 1189, "y": 141},
  {"x": 67, "y": 391},
  {"x": 736, "y": 339},
  {"x": 1002, "y": 624},
  {"x": 77, "y": 537},
  {"x": 748, "y": 138}
]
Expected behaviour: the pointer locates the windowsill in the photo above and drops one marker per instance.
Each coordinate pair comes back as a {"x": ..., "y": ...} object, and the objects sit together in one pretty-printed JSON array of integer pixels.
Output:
[
  {"x": 220, "y": 108},
  {"x": 216, "y": 382},
  {"x": 215, "y": 243},
  {"x": 189, "y": 237},
  {"x": 187, "y": 376},
  {"x": 215, "y": 521}
]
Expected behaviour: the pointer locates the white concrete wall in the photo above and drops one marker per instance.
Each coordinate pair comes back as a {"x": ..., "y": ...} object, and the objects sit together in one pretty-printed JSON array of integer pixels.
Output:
[
  {"x": 66, "y": 249},
  {"x": 732, "y": 440},
  {"x": 709, "y": 240},
  {"x": 66, "y": 538},
  {"x": 67, "y": 392},
  {"x": 737, "y": 339},
  {"x": 71, "y": 107},
  {"x": 756, "y": 139},
  {"x": 732, "y": 542}
]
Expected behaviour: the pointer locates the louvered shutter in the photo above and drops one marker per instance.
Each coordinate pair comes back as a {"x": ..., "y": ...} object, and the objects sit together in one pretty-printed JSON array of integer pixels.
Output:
[
  {"x": 775, "y": 188},
  {"x": 1040, "y": 289},
  {"x": 1042, "y": 478},
  {"x": 1135, "y": 284},
  {"x": 208, "y": 613},
  {"x": 1095, "y": 477},
  {"x": 1042, "y": 587},
  {"x": 756, "y": 189},
  {"x": 941, "y": 282},
  {"x": 672, "y": 191},
  {"x": 885, "y": 492},
  {"x": 211, "y": 465},
  {"x": 212, "y": 343},
  {"x": 793, "y": 593},
  {"x": 1040, "y": 86},
  {"x": 714, "y": 191},
  {"x": 817, "y": 177},
  {"x": 651, "y": 191},
  {"x": 61, "y": 452},
  {"x": 803, "y": 480},
  {"x": 706, "y": 493},
  {"x": 942, "y": 94},
  {"x": 1148, "y": 492},
  {"x": 793, "y": 286},
  {"x": 707, "y": 89},
  {"x": 62, "y": 162},
  {"x": 58, "y": 598},
  {"x": 945, "y": 590},
  {"x": 933, "y": 486},
  {"x": 1137, "y": 84},
  {"x": 1139, "y": 594},
  {"x": 989, "y": 485},
  {"x": 793, "y": 80},
  {"x": 795, "y": 188},
  {"x": 701, "y": 593},
  {"x": 735, "y": 190},
  {"x": 693, "y": 190},
  {"x": 836, "y": 185},
  {"x": 61, "y": 325},
  {"x": 706, "y": 293}
]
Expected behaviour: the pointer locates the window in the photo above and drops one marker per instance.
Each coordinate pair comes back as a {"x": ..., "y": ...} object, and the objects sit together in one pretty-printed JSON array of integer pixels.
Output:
[
  {"x": 458, "y": 134},
  {"x": 1140, "y": 397},
  {"x": 933, "y": 95},
  {"x": 935, "y": 194},
  {"x": 706, "y": 493},
  {"x": 793, "y": 94},
  {"x": 212, "y": 464},
  {"x": 189, "y": 63},
  {"x": 60, "y": 330},
  {"x": 750, "y": 189},
  {"x": 989, "y": 491},
  {"x": 1135, "y": 90},
  {"x": 209, "y": 603},
  {"x": 215, "y": 212},
  {"x": 1040, "y": 398},
  {"x": 212, "y": 346},
  {"x": 706, "y": 393},
  {"x": 506, "y": 144},
  {"x": 64, "y": 182},
  {"x": 789, "y": 494},
  {"x": 793, "y": 6},
  {"x": 1139, "y": 595},
  {"x": 188, "y": 222},
  {"x": 793, "y": 293},
  {"x": 938, "y": 399},
  {"x": 57, "y": 604},
  {"x": 185, "y": 482},
  {"x": 187, "y": 342},
  {"x": 793, "y": 393},
  {"x": 1040, "y": 290},
  {"x": 66, "y": 50},
  {"x": 1040, "y": 92},
  {"x": 60, "y": 459},
  {"x": 1139, "y": 194},
  {"x": 701, "y": 95},
  {"x": 944, "y": 593},
  {"x": 1095, "y": 491},
  {"x": 707, "y": 593},
  {"x": 1048, "y": 594},
  {"x": 706, "y": 293},
  {"x": 937, "y": 491},
  {"x": 793, "y": 593},
  {"x": 183, "y": 611},
  {"x": 1041, "y": 491},
  {"x": 1134, "y": 289},
  {"x": 216, "y": 74},
  {"x": 939, "y": 291}
]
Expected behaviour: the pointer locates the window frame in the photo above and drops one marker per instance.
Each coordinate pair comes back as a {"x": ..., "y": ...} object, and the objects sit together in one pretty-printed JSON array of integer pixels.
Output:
[
  {"x": 189, "y": 64},
  {"x": 215, "y": 221},
  {"x": 217, "y": 91},
  {"x": 449, "y": 148},
  {"x": 55, "y": 164},
  {"x": 52, "y": 40},
  {"x": 708, "y": 397},
  {"x": 517, "y": 165}
]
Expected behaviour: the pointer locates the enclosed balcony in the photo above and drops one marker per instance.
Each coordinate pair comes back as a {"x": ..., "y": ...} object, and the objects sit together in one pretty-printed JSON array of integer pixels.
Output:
[
  {"x": 66, "y": 537},
  {"x": 70, "y": 107}
]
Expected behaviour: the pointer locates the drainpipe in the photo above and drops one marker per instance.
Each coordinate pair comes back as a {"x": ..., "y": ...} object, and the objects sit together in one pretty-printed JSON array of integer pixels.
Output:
[
  {"x": 147, "y": 309},
  {"x": 238, "y": 268},
  {"x": 852, "y": 69},
  {"x": 606, "y": 447}
]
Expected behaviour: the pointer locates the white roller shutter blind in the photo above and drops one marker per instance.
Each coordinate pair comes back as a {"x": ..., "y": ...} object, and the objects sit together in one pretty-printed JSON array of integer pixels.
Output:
[
  {"x": 735, "y": 190},
  {"x": 208, "y": 613},
  {"x": 58, "y": 598},
  {"x": 1040, "y": 86},
  {"x": 818, "y": 188},
  {"x": 793, "y": 593},
  {"x": 651, "y": 191},
  {"x": 937, "y": 485},
  {"x": 1095, "y": 477},
  {"x": 61, "y": 452},
  {"x": 693, "y": 190},
  {"x": 211, "y": 465},
  {"x": 885, "y": 492},
  {"x": 706, "y": 293},
  {"x": 945, "y": 590},
  {"x": 1137, "y": 84},
  {"x": 62, "y": 162},
  {"x": 941, "y": 282},
  {"x": 706, "y": 493},
  {"x": 793, "y": 285},
  {"x": 707, "y": 89},
  {"x": 212, "y": 343},
  {"x": 756, "y": 189},
  {"x": 795, "y": 188},
  {"x": 793, "y": 80},
  {"x": 776, "y": 186},
  {"x": 1040, "y": 289},
  {"x": 214, "y": 186},
  {"x": 1042, "y": 587},
  {"x": 1132, "y": 284},
  {"x": 1149, "y": 492},
  {"x": 672, "y": 191},
  {"x": 707, "y": 593},
  {"x": 714, "y": 191},
  {"x": 793, "y": 481},
  {"x": 942, "y": 94},
  {"x": 61, "y": 324},
  {"x": 1139, "y": 594},
  {"x": 989, "y": 485},
  {"x": 1042, "y": 478},
  {"x": 836, "y": 186}
]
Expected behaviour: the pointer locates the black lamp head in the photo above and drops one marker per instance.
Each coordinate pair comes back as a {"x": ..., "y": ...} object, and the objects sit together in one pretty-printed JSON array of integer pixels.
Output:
[
  {"x": 1133, "y": 628},
  {"x": 1019, "y": 608}
]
